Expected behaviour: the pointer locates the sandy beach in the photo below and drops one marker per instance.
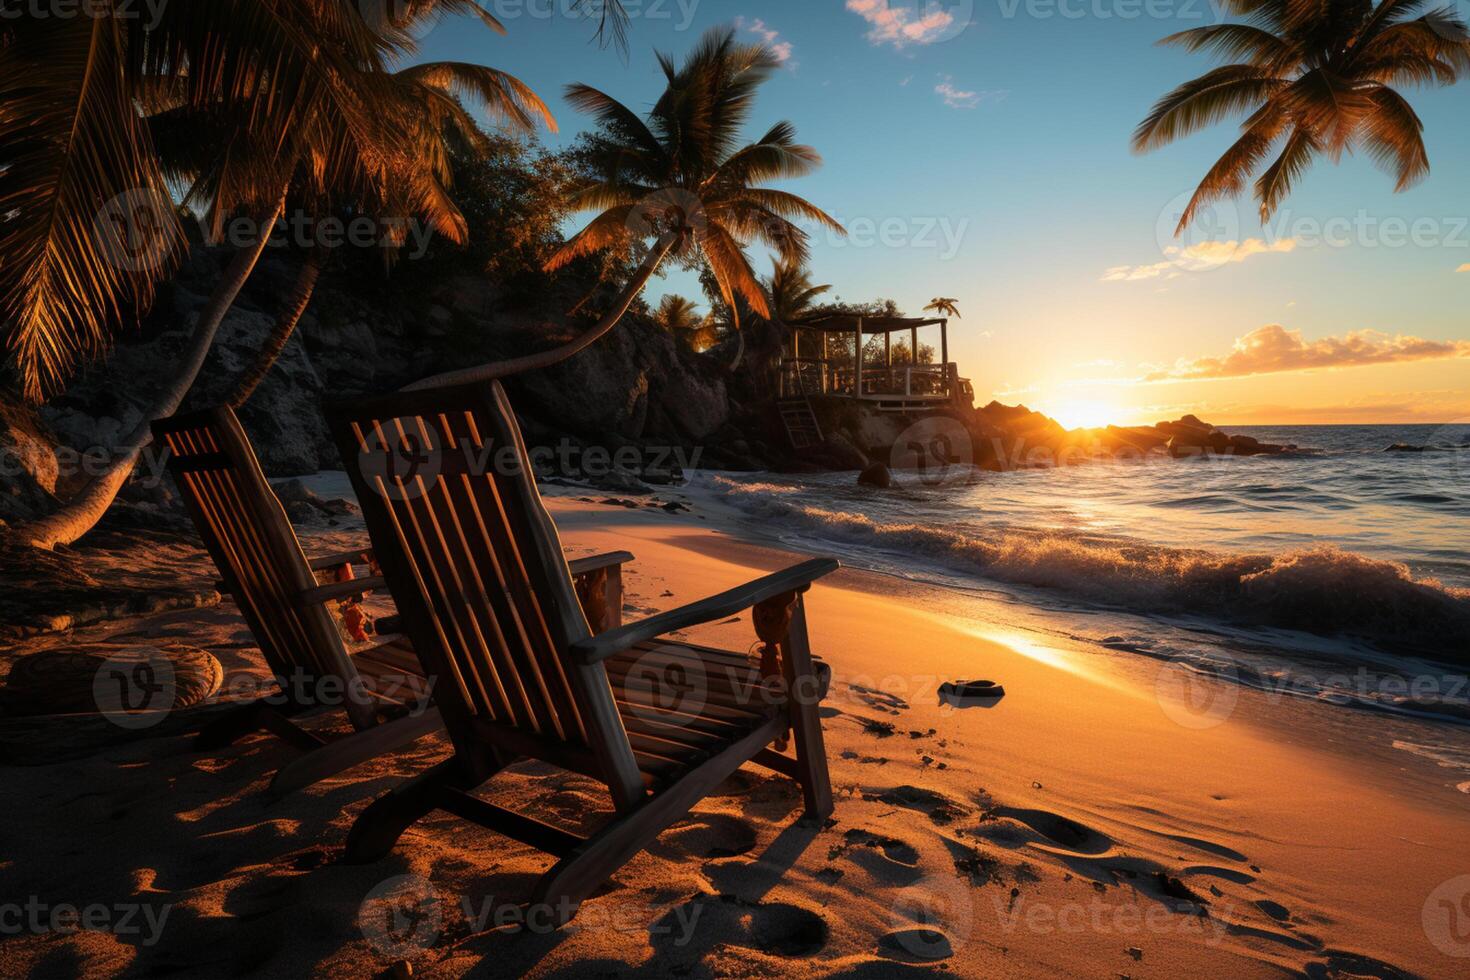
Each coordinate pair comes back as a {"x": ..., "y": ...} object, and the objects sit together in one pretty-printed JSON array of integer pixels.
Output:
[{"x": 1110, "y": 816}]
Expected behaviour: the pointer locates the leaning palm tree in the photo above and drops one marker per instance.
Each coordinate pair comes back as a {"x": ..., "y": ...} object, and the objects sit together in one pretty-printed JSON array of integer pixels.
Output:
[
  {"x": 1315, "y": 78},
  {"x": 942, "y": 306},
  {"x": 679, "y": 185},
  {"x": 278, "y": 81},
  {"x": 419, "y": 181}
]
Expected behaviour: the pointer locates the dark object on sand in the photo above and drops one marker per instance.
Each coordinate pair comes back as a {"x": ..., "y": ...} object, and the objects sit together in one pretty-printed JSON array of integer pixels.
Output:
[
  {"x": 522, "y": 674},
  {"x": 103, "y": 680},
  {"x": 965, "y": 694}
]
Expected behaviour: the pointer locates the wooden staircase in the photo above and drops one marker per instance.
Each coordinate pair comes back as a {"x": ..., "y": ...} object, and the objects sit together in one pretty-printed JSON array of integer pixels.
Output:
[{"x": 802, "y": 428}]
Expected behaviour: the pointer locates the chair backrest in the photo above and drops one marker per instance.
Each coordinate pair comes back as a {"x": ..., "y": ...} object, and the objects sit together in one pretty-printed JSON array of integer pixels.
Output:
[
  {"x": 248, "y": 535},
  {"x": 476, "y": 568}
]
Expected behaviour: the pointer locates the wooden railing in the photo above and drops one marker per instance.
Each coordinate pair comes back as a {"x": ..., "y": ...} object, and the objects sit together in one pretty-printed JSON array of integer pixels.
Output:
[{"x": 916, "y": 382}]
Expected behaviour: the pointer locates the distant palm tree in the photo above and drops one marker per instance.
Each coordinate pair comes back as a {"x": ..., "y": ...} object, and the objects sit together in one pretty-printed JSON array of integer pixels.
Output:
[
  {"x": 1315, "y": 78},
  {"x": 680, "y": 317},
  {"x": 682, "y": 179},
  {"x": 944, "y": 307},
  {"x": 792, "y": 292}
]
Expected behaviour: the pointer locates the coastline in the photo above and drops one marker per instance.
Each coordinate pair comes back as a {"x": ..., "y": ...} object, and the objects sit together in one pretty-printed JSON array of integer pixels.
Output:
[{"x": 1069, "y": 828}]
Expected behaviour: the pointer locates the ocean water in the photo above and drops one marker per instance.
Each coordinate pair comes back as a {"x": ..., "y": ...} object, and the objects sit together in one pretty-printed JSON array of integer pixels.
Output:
[{"x": 1338, "y": 572}]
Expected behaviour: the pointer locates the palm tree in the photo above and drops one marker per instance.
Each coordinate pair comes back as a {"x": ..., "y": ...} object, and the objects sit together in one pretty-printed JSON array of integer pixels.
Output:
[
  {"x": 941, "y": 306},
  {"x": 682, "y": 179},
  {"x": 792, "y": 296},
  {"x": 1315, "y": 79},
  {"x": 281, "y": 83},
  {"x": 680, "y": 317},
  {"x": 419, "y": 181}
]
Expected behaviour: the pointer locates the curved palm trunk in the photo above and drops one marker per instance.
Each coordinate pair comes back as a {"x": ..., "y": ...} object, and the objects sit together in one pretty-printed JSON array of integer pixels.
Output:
[
  {"x": 80, "y": 514},
  {"x": 545, "y": 359},
  {"x": 286, "y": 321}
]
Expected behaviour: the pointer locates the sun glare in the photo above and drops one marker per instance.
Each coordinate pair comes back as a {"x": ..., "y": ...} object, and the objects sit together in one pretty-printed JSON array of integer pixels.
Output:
[{"x": 1081, "y": 414}]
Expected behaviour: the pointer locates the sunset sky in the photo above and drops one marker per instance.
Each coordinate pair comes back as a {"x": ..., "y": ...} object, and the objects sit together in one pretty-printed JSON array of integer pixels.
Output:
[{"x": 980, "y": 150}]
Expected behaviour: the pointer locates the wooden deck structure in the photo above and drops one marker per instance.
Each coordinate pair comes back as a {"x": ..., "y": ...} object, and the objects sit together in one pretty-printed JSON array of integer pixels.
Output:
[{"x": 837, "y": 362}]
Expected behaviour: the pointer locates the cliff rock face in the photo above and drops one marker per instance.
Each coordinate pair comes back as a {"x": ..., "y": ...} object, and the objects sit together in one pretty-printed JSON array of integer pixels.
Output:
[{"x": 634, "y": 387}]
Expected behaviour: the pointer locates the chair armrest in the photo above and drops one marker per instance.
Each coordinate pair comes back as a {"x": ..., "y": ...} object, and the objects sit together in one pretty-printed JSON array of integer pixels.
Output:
[
  {"x": 340, "y": 590},
  {"x": 798, "y": 578},
  {"x": 596, "y": 563},
  {"x": 363, "y": 556}
]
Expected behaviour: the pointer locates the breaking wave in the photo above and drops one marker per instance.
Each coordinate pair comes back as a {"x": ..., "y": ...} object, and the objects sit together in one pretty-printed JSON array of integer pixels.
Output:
[{"x": 1323, "y": 590}]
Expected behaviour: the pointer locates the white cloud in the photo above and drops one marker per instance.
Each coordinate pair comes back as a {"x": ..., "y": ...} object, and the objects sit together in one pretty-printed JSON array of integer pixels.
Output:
[
  {"x": 783, "y": 50},
  {"x": 901, "y": 24},
  {"x": 958, "y": 98},
  {"x": 1199, "y": 258}
]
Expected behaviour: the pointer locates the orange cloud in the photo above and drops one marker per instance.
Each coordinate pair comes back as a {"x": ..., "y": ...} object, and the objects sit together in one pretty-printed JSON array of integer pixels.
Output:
[
  {"x": 1464, "y": 268},
  {"x": 1274, "y": 349},
  {"x": 900, "y": 25}
]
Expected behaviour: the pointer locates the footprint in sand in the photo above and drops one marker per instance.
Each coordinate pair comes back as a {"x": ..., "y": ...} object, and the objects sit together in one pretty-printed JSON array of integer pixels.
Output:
[
  {"x": 939, "y": 808},
  {"x": 1209, "y": 847},
  {"x": 1229, "y": 874},
  {"x": 887, "y": 859},
  {"x": 774, "y": 928},
  {"x": 1275, "y": 910},
  {"x": 711, "y": 836},
  {"x": 881, "y": 700},
  {"x": 916, "y": 945},
  {"x": 1062, "y": 836}
]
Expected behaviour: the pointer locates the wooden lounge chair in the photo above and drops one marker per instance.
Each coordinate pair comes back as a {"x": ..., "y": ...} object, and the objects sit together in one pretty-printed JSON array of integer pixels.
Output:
[
  {"x": 475, "y": 565},
  {"x": 383, "y": 689}
]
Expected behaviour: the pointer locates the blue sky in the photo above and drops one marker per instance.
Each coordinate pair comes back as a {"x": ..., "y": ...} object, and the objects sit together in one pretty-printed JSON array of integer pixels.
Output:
[{"x": 985, "y": 155}]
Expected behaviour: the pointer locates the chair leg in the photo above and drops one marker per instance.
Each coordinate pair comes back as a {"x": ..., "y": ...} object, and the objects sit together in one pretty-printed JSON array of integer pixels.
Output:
[
  {"x": 232, "y": 726},
  {"x": 354, "y": 749},
  {"x": 806, "y": 723},
  {"x": 561, "y": 891},
  {"x": 378, "y": 827}
]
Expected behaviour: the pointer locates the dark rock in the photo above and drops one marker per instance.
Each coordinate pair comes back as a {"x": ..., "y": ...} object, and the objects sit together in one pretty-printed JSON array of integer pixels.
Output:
[{"x": 876, "y": 475}]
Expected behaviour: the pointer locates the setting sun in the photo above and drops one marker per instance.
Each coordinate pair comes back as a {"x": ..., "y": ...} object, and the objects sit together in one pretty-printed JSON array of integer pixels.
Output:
[{"x": 1084, "y": 413}]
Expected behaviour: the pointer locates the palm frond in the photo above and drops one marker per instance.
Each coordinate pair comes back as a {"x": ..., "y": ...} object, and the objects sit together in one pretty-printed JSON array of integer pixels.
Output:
[
  {"x": 1394, "y": 139},
  {"x": 1226, "y": 91},
  {"x": 86, "y": 222}
]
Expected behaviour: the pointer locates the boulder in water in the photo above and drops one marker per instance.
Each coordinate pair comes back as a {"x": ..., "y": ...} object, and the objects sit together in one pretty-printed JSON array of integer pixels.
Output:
[{"x": 877, "y": 475}]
